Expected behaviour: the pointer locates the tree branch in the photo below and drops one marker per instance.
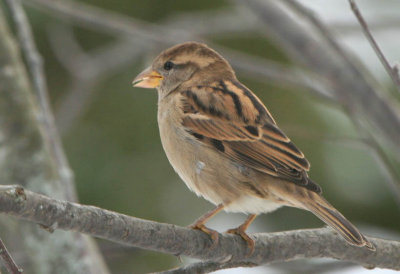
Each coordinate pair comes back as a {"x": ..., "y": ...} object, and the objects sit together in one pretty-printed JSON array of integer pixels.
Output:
[
  {"x": 171, "y": 239},
  {"x": 393, "y": 73},
  {"x": 26, "y": 159},
  {"x": 35, "y": 67},
  {"x": 8, "y": 261}
]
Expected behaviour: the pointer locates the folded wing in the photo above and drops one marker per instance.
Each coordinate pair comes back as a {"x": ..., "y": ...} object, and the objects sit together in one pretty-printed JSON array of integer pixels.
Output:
[{"x": 229, "y": 117}]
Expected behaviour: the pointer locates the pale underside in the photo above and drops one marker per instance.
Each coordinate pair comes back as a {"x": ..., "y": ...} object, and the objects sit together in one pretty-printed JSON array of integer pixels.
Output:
[{"x": 210, "y": 175}]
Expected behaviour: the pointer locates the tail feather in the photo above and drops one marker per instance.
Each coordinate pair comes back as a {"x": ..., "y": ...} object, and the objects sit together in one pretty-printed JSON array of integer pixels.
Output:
[{"x": 327, "y": 213}]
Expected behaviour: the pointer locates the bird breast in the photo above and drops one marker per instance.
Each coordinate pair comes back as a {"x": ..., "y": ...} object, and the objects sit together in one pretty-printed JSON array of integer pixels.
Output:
[
  {"x": 198, "y": 165},
  {"x": 204, "y": 170}
]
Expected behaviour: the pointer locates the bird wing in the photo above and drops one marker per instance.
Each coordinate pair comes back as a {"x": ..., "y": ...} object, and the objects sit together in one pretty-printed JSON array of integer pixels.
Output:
[{"x": 229, "y": 117}]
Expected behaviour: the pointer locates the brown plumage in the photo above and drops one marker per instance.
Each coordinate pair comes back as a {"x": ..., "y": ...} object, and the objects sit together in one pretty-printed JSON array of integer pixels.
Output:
[{"x": 225, "y": 145}]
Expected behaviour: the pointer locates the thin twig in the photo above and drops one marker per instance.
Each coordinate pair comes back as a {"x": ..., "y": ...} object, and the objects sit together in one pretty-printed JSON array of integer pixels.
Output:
[
  {"x": 35, "y": 66},
  {"x": 8, "y": 261},
  {"x": 390, "y": 70}
]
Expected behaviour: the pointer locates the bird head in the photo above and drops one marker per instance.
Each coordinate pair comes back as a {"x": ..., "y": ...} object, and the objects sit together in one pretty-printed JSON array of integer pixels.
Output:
[{"x": 182, "y": 65}]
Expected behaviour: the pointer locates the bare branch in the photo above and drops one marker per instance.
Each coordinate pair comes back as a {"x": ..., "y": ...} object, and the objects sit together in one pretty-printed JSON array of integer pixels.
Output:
[
  {"x": 164, "y": 34},
  {"x": 269, "y": 248},
  {"x": 26, "y": 158},
  {"x": 35, "y": 66},
  {"x": 389, "y": 69},
  {"x": 8, "y": 261}
]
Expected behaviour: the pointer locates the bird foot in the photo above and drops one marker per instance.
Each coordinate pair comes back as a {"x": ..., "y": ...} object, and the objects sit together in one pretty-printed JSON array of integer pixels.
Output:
[
  {"x": 241, "y": 232},
  {"x": 214, "y": 235}
]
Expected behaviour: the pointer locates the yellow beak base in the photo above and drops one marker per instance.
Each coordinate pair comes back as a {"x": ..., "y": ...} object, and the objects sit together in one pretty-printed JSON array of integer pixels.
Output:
[{"x": 147, "y": 79}]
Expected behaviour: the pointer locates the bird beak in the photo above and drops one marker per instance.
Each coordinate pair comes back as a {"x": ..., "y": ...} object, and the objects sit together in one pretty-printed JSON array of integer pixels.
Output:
[{"x": 147, "y": 79}]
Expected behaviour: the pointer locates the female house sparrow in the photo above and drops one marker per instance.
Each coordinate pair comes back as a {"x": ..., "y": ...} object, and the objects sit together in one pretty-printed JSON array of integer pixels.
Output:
[{"x": 225, "y": 145}]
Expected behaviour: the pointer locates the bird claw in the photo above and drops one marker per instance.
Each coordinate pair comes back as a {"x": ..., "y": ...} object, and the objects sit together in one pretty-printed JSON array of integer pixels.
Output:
[
  {"x": 214, "y": 235},
  {"x": 250, "y": 242}
]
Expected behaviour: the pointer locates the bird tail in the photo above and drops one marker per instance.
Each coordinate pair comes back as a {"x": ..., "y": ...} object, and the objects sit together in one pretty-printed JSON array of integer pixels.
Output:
[{"x": 327, "y": 213}]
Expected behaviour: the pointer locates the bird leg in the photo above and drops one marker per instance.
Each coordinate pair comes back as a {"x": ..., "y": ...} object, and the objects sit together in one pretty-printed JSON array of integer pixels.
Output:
[
  {"x": 199, "y": 224},
  {"x": 240, "y": 230}
]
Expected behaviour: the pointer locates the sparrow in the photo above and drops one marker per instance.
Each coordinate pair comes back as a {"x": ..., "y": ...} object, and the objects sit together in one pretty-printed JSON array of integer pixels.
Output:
[{"x": 225, "y": 145}]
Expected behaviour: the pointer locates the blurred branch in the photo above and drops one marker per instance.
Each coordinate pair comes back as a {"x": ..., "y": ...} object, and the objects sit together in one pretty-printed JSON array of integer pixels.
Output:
[
  {"x": 164, "y": 34},
  {"x": 86, "y": 70},
  {"x": 393, "y": 73},
  {"x": 166, "y": 238},
  {"x": 26, "y": 158},
  {"x": 35, "y": 66},
  {"x": 8, "y": 261}
]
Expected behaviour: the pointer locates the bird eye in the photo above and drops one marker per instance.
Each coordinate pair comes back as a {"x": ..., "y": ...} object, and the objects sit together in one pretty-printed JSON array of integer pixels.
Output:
[{"x": 168, "y": 65}]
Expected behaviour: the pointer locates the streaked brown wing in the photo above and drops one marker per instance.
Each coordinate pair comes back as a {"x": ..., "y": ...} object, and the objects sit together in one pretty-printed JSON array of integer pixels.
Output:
[
  {"x": 221, "y": 129},
  {"x": 229, "y": 117}
]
